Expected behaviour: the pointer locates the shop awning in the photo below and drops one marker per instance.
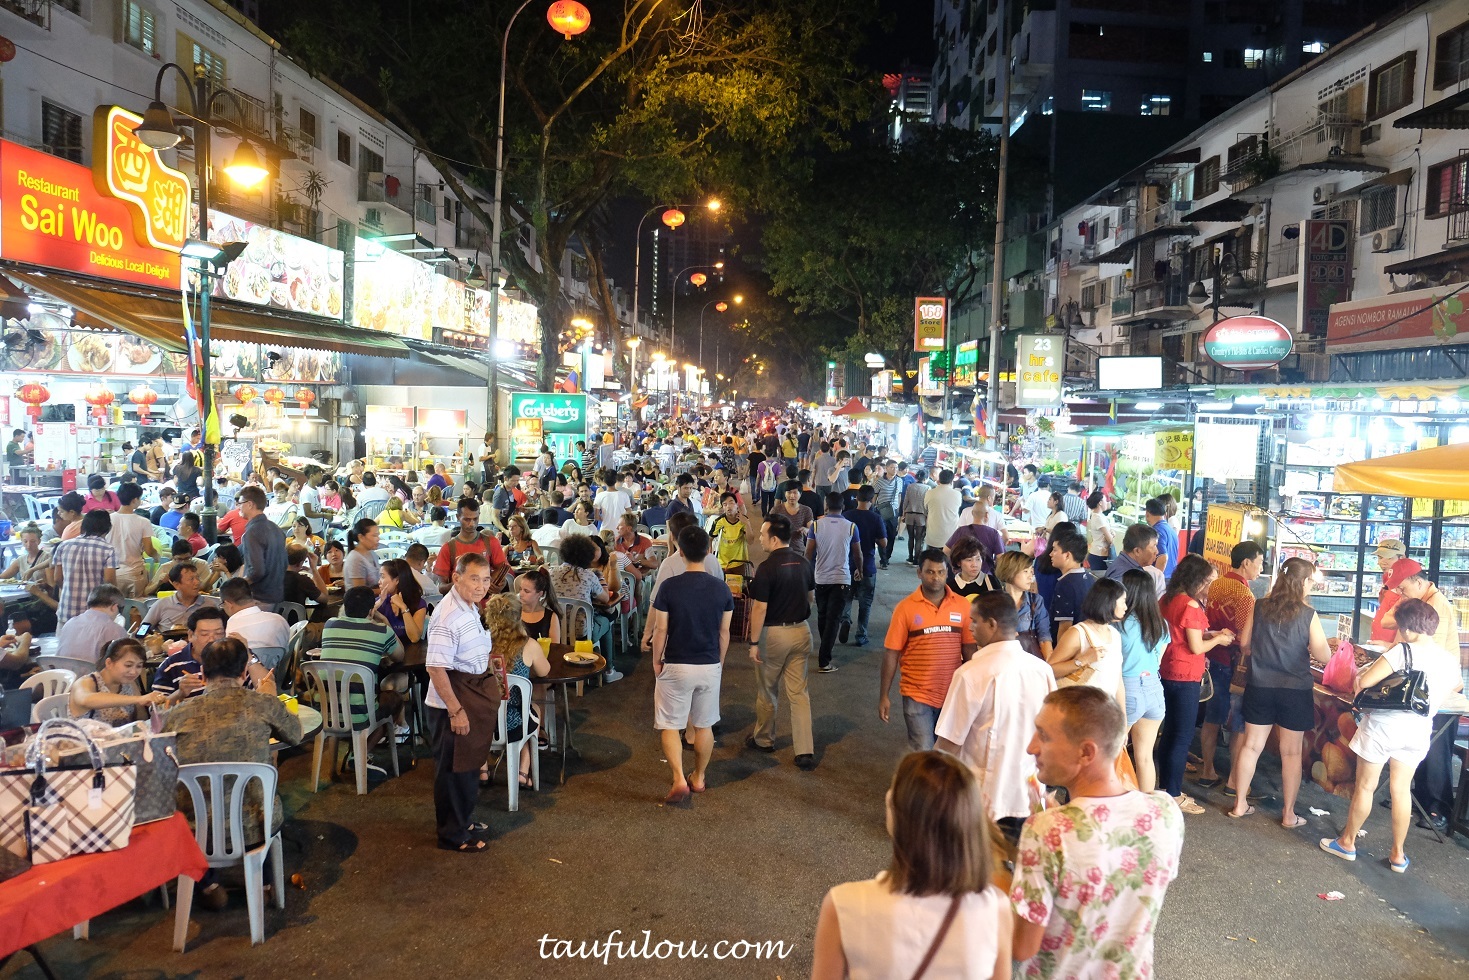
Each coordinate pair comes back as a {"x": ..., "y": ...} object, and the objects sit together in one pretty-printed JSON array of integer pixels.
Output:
[
  {"x": 1449, "y": 113},
  {"x": 160, "y": 320},
  {"x": 1226, "y": 211},
  {"x": 1437, "y": 473},
  {"x": 853, "y": 406}
]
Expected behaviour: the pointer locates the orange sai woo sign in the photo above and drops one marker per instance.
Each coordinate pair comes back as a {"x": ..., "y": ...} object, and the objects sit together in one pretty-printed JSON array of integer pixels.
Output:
[{"x": 132, "y": 171}]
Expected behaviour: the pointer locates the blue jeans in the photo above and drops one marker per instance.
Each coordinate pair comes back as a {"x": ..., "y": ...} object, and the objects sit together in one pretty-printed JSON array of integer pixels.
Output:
[
  {"x": 1182, "y": 701},
  {"x": 862, "y": 594},
  {"x": 922, "y": 719}
]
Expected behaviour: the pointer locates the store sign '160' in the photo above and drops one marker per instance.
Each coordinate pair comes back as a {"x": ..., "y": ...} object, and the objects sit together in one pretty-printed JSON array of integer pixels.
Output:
[{"x": 930, "y": 321}]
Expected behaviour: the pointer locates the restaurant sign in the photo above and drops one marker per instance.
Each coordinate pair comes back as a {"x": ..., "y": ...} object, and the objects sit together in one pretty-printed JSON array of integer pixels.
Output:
[
  {"x": 930, "y": 320},
  {"x": 966, "y": 364},
  {"x": 564, "y": 414},
  {"x": 1038, "y": 370},
  {"x": 1224, "y": 527},
  {"x": 1416, "y": 318},
  {"x": 1246, "y": 343},
  {"x": 130, "y": 170},
  {"x": 52, "y": 215}
]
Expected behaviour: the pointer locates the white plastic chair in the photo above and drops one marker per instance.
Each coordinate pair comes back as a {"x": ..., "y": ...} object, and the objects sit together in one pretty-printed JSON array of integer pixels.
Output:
[
  {"x": 288, "y": 610},
  {"x": 55, "y": 706},
  {"x": 219, "y": 829},
  {"x": 574, "y": 611},
  {"x": 332, "y": 682},
  {"x": 127, "y": 607},
  {"x": 550, "y": 554},
  {"x": 78, "y": 666},
  {"x": 370, "y": 510},
  {"x": 512, "y": 749},
  {"x": 51, "y": 682}
]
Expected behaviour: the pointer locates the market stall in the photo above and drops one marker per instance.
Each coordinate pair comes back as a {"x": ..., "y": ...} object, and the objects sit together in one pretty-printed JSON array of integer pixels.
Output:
[{"x": 1139, "y": 460}]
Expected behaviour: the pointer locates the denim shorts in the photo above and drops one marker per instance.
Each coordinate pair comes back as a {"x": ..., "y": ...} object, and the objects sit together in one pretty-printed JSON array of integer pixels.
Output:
[{"x": 1144, "y": 698}]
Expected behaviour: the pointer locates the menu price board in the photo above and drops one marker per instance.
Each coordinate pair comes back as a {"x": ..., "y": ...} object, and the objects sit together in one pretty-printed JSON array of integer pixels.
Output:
[
  {"x": 278, "y": 270},
  {"x": 1223, "y": 529},
  {"x": 394, "y": 293},
  {"x": 389, "y": 417},
  {"x": 443, "y": 421}
]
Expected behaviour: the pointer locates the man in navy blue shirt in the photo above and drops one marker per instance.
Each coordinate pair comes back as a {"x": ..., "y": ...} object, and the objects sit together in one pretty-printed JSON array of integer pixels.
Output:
[
  {"x": 1068, "y": 555},
  {"x": 1157, "y": 519},
  {"x": 872, "y": 535}
]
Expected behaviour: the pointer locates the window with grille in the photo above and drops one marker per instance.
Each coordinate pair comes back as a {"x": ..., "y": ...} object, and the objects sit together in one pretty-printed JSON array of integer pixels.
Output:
[
  {"x": 1379, "y": 210},
  {"x": 1448, "y": 188},
  {"x": 344, "y": 147},
  {"x": 307, "y": 125},
  {"x": 1206, "y": 178},
  {"x": 1451, "y": 57},
  {"x": 1391, "y": 86},
  {"x": 61, "y": 131},
  {"x": 136, "y": 26},
  {"x": 1089, "y": 296},
  {"x": 191, "y": 52}
]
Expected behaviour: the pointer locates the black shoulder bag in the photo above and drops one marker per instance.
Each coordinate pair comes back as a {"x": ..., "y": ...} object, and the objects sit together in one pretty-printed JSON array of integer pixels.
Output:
[{"x": 1405, "y": 690}]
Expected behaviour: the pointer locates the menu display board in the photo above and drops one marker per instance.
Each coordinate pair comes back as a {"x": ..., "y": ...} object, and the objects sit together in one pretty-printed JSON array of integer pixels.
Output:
[
  {"x": 389, "y": 417},
  {"x": 443, "y": 421},
  {"x": 396, "y": 294},
  {"x": 278, "y": 270},
  {"x": 519, "y": 321}
]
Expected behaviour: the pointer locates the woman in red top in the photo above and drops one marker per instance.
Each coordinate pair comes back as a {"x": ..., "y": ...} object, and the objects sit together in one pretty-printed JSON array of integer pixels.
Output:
[{"x": 1183, "y": 668}]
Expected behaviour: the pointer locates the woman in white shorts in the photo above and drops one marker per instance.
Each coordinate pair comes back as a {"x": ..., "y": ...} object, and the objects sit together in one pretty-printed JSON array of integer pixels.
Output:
[{"x": 1397, "y": 739}]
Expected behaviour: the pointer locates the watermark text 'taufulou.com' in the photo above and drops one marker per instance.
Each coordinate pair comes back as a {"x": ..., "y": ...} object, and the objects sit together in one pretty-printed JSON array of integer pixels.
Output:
[{"x": 646, "y": 947}]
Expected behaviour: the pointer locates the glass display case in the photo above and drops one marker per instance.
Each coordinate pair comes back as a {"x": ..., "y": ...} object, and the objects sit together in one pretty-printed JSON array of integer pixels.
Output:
[
  {"x": 1439, "y": 541},
  {"x": 1339, "y": 532}
]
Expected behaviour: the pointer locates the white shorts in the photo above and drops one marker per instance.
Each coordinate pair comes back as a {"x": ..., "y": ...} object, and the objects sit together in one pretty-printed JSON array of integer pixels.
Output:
[
  {"x": 686, "y": 694},
  {"x": 1402, "y": 736}
]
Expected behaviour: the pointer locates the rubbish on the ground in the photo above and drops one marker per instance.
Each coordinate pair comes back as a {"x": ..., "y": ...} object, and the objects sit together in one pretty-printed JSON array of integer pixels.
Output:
[
  {"x": 1319, "y": 812},
  {"x": 554, "y": 861},
  {"x": 1331, "y": 896},
  {"x": 298, "y": 881},
  {"x": 1254, "y": 940},
  {"x": 1233, "y": 939},
  {"x": 1361, "y": 834}
]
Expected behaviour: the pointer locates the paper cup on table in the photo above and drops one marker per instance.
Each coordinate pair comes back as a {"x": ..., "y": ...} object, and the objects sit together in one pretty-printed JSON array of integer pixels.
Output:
[
  {"x": 583, "y": 646},
  {"x": 292, "y": 705}
]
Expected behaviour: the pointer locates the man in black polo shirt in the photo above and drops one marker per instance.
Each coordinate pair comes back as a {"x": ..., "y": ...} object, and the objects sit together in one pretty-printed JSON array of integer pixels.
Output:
[{"x": 781, "y": 594}]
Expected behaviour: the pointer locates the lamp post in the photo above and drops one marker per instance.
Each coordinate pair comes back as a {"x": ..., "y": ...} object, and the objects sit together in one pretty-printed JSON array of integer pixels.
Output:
[
  {"x": 1221, "y": 281},
  {"x": 159, "y": 131},
  {"x": 713, "y": 204},
  {"x": 570, "y": 18},
  {"x": 633, "y": 344},
  {"x": 719, "y": 305},
  {"x": 673, "y": 306}
]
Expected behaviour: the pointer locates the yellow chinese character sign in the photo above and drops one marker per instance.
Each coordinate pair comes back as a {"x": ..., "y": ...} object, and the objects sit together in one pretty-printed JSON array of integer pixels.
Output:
[{"x": 129, "y": 169}]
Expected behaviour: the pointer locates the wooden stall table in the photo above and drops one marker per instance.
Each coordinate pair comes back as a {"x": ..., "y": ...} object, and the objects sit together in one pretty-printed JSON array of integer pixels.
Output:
[
  {"x": 563, "y": 675},
  {"x": 50, "y": 898}
]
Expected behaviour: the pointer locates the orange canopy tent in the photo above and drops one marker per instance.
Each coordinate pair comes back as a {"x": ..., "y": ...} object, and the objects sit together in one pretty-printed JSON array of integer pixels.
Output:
[
  {"x": 853, "y": 406},
  {"x": 1441, "y": 473}
]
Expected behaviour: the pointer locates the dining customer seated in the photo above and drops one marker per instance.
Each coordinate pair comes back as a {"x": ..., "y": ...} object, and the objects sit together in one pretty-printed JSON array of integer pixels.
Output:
[
  {"x": 113, "y": 693},
  {"x": 82, "y": 637},
  {"x": 360, "y": 635},
  {"x": 183, "y": 554},
  {"x": 266, "y": 633},
  {"x": 179, "y": 676},
  {"x": 173, "y": 611}
]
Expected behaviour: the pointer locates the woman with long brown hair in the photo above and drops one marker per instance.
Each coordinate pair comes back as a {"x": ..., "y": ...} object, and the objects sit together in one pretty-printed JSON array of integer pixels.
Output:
[
  {"x": 523, "y": 658},
  {"x": 935, "y": 904},
  {"x": 1285, "y": 638}
]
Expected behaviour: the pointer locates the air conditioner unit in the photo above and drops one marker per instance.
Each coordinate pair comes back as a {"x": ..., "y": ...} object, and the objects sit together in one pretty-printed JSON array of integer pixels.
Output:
[
  {"x": 1323, "y": 194},
  {"x": 1371, "y": 134},
  {"x": 1385, "y": 241}
]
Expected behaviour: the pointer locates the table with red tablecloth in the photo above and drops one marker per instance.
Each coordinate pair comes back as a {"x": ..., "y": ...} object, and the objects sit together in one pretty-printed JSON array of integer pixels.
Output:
[{"x": 50, "y": 898}]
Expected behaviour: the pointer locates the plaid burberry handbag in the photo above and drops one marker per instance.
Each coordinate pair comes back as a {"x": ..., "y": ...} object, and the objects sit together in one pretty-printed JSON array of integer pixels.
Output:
[{"x": 47, "y": 814}]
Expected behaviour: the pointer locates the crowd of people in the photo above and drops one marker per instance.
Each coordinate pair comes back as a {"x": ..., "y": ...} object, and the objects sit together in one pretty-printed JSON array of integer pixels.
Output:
[{"x": 1052, "y": 667}]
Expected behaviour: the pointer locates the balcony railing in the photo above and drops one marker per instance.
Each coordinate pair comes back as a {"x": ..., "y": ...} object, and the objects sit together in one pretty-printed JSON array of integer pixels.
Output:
[
  {"x": 472, "y": 236},
  {"x": 253, "y": 115},
  {"x": 38, "y": 12},
  {"x": 378, "y": 186},
  {"x": 425, "y": 211},
  {"x": 1285, "y": 259}
]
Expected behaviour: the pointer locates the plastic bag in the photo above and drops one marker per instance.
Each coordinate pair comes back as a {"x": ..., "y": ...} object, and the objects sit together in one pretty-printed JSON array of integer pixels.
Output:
[{"x": 1341, "y": 669}]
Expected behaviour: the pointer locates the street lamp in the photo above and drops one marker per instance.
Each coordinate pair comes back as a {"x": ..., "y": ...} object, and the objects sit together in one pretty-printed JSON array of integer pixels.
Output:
[
  {"x": 159, "y": 130},
  {"x": 570, "y": 18},
  {"x": 698, "y": 279},
  {"x": 633, "y": 344},
  {"x": 713, "y": 204},
  {"x": 719, "y": 305},
  {"x": 1220, "y": 283}
]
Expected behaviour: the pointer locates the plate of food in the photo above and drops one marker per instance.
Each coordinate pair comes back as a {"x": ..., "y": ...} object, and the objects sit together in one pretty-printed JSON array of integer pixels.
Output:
[
  {"x": 91, "y": 353},
  {"x": 577, "y": 659},
  {"x": 136, "y": 356}
]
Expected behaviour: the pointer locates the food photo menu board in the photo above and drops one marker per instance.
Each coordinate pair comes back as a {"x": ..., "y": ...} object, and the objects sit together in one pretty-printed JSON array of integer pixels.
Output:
[{"x": 278, "y": 270}]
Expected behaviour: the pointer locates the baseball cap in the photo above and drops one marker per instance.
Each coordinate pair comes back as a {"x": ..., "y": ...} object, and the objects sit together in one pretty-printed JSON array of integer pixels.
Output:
[
  {"x": 1391, "y": 548},
  {"x": 1402, "y": 570}
]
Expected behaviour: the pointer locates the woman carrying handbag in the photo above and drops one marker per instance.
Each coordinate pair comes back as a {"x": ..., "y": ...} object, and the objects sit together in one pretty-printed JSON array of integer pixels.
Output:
[{"x": 1393, "y": 732}]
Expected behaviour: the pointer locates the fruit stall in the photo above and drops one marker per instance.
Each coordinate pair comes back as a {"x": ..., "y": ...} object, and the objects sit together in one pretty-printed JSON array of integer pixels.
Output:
[{"x": 1138, "y": 461}]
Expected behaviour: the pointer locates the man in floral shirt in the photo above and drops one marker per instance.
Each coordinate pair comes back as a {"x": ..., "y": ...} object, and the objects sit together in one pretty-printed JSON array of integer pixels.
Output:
[{"x": 1090, "y": 876}]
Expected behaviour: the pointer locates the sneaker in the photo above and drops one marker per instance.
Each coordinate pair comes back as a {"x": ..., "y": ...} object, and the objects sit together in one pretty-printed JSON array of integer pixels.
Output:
[
  {"x": 861, "y": 642},
  {"x": 806, "y": 763},
  {"x": 750, "y": 743},
  {"x": 1187, "y": 805},
  {"x": 374, "y": 767},
  {"x": 882, "y": 564},
  {"x": 845, "y": 631},
  {"x": 611, "y": 675},
  {"x": 827, "y": 669}
]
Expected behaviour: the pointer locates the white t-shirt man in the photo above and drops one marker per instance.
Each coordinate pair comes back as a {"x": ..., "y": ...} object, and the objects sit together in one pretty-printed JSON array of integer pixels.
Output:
[
  {"x": 370, "y": 494},
  {"x": 259, "y": 629},
  {"x": 1037, "y": 506},
  {"x": 128, "y": 533},
  {"x": 611, "y": 505},
  {"x": 994, "y": 519},
  {"x": 990, "y": 713},
  {"x": 941, "y": 505},
  {"x": 310, "y": 498},
  {"x": 1095, "y": 872}
]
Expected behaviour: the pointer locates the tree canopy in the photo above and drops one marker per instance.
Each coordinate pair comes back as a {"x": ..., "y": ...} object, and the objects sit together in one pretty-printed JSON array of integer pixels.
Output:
[{"x": 664, "y": 99}]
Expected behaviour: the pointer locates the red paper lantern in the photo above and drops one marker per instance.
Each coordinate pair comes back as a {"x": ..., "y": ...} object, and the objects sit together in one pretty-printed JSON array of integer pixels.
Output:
[
  {"x": 569, "y": 18},
  {"x": 274, "y": 396},
  {"x": 246, "y": 394},
  {"x": 673, "y": 217},
  {"x": 721, "y": 306},
  {"x": 34, "y": 395},
  {"x": 698, "y": 279},
  {"x": 144, "y": 397},
  {"x": 304, "y": 398},
  {"x": 99, "y": 398}
]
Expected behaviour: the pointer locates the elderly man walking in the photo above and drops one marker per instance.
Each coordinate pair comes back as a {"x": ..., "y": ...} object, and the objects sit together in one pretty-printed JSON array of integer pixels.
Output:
[{"x": 781, "y": 594}]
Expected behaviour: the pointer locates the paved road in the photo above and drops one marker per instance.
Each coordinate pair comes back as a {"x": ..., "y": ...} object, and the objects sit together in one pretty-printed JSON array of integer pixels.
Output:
[{"x": 750, "y": 861}]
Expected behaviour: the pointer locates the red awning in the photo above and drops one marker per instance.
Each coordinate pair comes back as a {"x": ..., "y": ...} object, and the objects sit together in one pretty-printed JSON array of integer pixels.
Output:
[{"x": 853, "y": 406}]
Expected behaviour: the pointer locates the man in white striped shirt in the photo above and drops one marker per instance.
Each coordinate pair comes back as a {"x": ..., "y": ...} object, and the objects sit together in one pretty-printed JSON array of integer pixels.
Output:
[{"x": 457, "y": 641}]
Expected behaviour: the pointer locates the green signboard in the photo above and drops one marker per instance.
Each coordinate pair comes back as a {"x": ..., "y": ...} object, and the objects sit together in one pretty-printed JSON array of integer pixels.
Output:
[{"x": 559, "y": 414}]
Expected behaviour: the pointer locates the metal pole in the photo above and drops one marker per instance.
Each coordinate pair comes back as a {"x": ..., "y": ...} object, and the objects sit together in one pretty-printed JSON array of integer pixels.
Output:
[
  {"x": 497, "y": 228},
  {"x": 997, "y": 301},
  {"x": 208, "y": 517}
]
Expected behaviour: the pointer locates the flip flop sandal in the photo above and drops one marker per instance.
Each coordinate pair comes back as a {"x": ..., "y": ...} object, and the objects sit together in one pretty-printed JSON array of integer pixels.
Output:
[
  {"x": 1399, "y": 868},
  {"x": 1300, "y": 822},
  {"x": 1249, "y": 811},
  {"x": 468, "y": 847},
  {"x": 478, "y": 827}
]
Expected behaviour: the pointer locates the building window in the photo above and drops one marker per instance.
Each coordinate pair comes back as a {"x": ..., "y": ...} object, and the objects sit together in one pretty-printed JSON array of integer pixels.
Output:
[
  {"x": 61, "y": 132},
  {"x": 1157, "y": 105},
  {"x": 1206, "y": 178},
  {"x": 1448, "y": 188},
  {"x": 1390, "y": 87},
  {"x": 307, "y": 125},
  {"x": 1048, "y": 107},
  {"x": 136, "y": 25},
  {"x": 344, "y": 147},
  {"x": 1208, "y": 57},
  {"x": 1451, "y": 57},
  {"x": 1095, "y": 100},
  {"x": 1254, "y": 58},
  {"x": 191, "y": 52},
  {"x": 1379, "y": 210}
]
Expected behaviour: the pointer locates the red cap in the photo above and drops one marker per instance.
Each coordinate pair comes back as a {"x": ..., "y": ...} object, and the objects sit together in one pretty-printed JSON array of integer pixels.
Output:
[{"x": 1403, "y": 568}]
